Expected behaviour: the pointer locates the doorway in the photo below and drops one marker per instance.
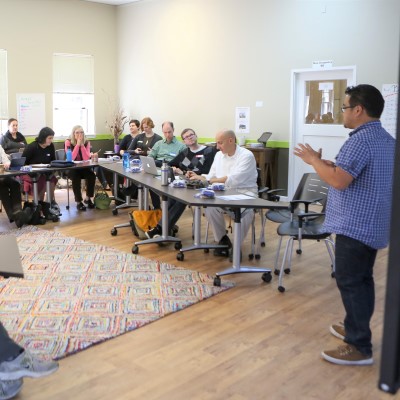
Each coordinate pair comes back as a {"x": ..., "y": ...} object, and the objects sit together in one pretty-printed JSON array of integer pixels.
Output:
[{"x": 316, "y": 117}]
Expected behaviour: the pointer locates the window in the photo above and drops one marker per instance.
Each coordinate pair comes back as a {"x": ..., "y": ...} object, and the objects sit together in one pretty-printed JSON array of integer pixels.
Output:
[
  {"x": 3, "y": 91},
  {"x": 73, "y": 93}
]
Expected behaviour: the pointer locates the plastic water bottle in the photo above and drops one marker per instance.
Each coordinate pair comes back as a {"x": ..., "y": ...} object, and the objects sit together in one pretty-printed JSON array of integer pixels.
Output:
[
  {"x": 68, "y": 155},
  {"x": 125, "y": 160},
  {"x": 164, "y": 173}
]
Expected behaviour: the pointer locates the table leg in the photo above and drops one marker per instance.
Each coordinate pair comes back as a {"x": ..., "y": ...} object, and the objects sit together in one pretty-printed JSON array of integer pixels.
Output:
[
  {"x": 164, "y": 238},
  {"x": 236, "y": 267},
  {"x": 197, "y": 237}
]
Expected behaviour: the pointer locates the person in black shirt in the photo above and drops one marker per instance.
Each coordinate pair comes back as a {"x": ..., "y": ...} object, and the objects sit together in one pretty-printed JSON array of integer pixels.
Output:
[
  {"x": 197, "y": 158},
  {"x": 41, "y": 151},
  {"x": 134, "y": 126},
  {"x": 12, "y": 141}
]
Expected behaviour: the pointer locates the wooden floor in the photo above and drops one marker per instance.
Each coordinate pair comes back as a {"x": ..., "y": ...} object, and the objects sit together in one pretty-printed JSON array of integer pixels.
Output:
[{"x": 250, "y": 342}]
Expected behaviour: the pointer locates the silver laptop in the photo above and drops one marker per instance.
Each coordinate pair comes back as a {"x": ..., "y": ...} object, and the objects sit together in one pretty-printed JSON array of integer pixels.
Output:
[
  {"x": 10, "y": 262},
  {"x": 149, "y": 165}
]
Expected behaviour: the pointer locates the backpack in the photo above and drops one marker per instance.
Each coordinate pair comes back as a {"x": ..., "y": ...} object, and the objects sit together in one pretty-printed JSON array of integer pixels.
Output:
[
  {"x": 102, "y": 200},
  {"x": 144, "y": 220}
]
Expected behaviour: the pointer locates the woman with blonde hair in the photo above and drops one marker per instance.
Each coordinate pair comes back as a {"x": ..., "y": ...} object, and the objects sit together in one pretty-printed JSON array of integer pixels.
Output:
[{"x": 80, "y": 148}]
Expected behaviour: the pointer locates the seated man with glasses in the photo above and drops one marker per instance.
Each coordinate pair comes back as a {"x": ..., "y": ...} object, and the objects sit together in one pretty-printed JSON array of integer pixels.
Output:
[{"x": 196, "y": 158}]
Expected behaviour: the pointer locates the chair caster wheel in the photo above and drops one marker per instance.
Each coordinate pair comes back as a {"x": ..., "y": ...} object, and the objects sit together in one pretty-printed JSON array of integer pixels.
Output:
[
  {"x": 287, "y": 271},
  {"x": 266, "y": 277},
  {"x": 206, "y": 251},
  {"x": 257, "y": 256},
  {"x": 135, "y": 249},
  {"x": 217, "y": 281},
  {"x": 55, "y": 219},
  {"x": 67, "y": 207},
  {"x": 114, "y": 232},
  {"x": 180, "y": 256},
  {"x": 276, "y": 271},
  {"x": 262, "y": 244},
  {"x": 281, "y": 289},
  {"x": 333, "y": 275},
  {"x": 299, "y": 251},
  {"x": 115, "y": 211},
  {"x": 251, "y": 256},
  {"x": 178, "y": 245}
]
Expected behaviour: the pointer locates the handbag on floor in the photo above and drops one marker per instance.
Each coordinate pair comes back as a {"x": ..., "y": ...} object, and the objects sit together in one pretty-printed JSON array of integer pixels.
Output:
[
  {"x": 102, "y": 200},
  {"x": 144, "y": 220}
]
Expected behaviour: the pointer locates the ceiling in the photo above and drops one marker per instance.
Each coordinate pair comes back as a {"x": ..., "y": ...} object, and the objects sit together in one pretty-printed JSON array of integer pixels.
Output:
[{"x": 113, "y": 2}]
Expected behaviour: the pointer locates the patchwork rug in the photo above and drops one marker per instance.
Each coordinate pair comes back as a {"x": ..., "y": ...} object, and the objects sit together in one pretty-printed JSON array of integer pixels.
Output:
[{"x": 76, "y": 294}]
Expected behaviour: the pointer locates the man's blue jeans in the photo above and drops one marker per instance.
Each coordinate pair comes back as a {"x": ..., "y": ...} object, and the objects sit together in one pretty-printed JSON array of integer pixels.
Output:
[
  {"x": 354, "y": 262},
  {"x": 8, "y": 348}
]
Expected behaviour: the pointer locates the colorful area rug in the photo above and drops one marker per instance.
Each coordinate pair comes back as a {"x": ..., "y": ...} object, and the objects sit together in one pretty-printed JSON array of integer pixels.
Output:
[{"x": 76, "y": 294}]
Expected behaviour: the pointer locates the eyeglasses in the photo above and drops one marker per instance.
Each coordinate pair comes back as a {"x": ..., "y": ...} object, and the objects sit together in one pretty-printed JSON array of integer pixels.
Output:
[
  {"x": 189, "y": 136},
  {"x": 345, "y": 107}
]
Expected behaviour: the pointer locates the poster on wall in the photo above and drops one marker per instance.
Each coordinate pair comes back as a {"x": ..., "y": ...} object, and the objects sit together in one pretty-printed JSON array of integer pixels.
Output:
[
  {"x": 390, "y": 93},
  {"x": 31, "y": 113},
  {"x": 242, "y": 120}
]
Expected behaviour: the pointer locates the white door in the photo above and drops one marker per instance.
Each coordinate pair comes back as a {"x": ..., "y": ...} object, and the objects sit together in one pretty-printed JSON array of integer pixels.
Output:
[{"x": 316, "y": 117}]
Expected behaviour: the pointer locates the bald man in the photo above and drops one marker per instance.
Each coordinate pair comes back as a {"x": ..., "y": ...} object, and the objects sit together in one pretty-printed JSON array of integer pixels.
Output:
[{"x": 235, "y": 167}]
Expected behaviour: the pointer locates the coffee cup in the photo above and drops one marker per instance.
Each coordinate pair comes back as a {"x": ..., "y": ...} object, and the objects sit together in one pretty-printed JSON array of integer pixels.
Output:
[
  {"x": 2, "y": 169},
  {"x": 95, "y": 157}
]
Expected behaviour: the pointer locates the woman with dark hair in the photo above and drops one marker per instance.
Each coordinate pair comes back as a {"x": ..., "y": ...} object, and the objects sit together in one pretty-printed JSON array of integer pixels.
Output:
[
  {"x": 41, "y": 151},
  {"x": 12, "y": 141},
  {"x": 80, "y": 148},
  {"x": 134, "y": 126}
]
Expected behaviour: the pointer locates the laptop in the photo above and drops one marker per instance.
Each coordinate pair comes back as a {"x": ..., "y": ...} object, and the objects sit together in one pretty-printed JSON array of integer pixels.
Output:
[
  {"x": 17, "y": 163},
  {"x": 149, "y": 166},
  {"x": 10, "y": 262}
]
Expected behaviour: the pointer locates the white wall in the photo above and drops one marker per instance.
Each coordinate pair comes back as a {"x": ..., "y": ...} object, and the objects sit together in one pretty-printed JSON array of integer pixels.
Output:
[
  {"x": 32, "y": 30},
  {"x": 194, "y": 61}
]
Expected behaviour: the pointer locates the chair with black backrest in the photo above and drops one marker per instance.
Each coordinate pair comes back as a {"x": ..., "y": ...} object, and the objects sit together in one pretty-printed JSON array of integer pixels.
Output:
[
  {"x": 309, "y": 190},
  {"x": 60, "y": 155},
  {"x": 304, "y": 225}
]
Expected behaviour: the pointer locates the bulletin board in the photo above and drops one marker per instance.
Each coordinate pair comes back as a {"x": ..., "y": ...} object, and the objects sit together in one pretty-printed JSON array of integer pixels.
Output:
[
  {"x": 390, "y": 93},
  {"x": 31, "y": 113}
]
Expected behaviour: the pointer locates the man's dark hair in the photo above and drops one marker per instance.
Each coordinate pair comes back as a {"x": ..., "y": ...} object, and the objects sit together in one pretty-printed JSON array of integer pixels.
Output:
[
  {"x": 134, "y": 121},
  {"x": 367, "y": 96},
  {"x": 44, "y": 134},
  {"x": 11, "y": 120}
]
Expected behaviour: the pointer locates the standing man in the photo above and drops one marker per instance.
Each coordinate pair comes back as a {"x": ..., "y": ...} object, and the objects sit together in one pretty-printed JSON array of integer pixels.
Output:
[
  {"x": 235, "y": 167},
  {"x": 358, "y": 212},
  {"x": 165, "y": 149}
]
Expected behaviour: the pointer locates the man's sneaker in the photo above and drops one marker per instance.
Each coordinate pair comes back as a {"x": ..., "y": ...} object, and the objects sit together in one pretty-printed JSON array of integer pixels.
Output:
[
  {"x": 347, "y": 355},
  {"x": 223, "y": 252},
  {"x": 153, "y": 233},
  {"x": 25, "y": 365},
  {"x": 9, "y": 389},
  {"x": 338, "y": 330}
]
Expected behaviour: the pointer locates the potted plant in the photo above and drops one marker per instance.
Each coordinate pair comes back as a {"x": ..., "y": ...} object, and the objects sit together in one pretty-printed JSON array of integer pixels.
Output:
[{"x": 116, "y": 124}]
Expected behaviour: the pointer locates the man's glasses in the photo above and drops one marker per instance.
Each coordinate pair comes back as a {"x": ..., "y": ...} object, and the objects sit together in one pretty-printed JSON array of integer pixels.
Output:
[
  {"x": 189, "y": 136},
  {"x": 345, "y": 107}
]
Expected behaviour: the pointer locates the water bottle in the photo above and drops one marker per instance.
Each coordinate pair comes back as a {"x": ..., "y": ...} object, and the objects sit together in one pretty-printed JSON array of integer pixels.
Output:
[
  {"x": 125, "y": 160},
  {"x": 68, "y": 154},
  {"x": 164, "y": 173}
]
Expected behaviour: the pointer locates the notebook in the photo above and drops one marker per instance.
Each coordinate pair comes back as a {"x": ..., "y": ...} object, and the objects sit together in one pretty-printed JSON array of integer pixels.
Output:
[
  {"x": 17, "y": 163},
  {"x": 149, "y": 165}
]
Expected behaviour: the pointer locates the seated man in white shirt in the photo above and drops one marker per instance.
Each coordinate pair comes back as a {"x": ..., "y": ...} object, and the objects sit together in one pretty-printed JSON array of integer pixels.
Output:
[{"x": 236, "y": 167}]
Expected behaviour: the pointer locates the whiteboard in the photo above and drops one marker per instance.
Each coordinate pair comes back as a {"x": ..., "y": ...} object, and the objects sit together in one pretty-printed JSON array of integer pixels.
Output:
[
  {"x": 31, "y": 113},
  {"x": 390, "y": 93}
]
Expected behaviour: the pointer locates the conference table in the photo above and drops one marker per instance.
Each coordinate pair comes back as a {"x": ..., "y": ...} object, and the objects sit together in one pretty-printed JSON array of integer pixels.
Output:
[{"x": 242, "y": 199}]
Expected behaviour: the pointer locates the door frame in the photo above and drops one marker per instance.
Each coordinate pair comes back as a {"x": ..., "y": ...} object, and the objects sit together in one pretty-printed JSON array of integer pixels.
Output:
[{"x": 293, "y": 117}]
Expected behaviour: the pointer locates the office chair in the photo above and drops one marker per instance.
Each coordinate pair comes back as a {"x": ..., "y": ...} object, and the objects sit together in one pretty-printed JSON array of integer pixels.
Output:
[
  {"x": 60, "y": 155},
  {"x": 311, "y": 189},
  {"x": 304, "y": 226},
  {"x": 302, "y": 229}
]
